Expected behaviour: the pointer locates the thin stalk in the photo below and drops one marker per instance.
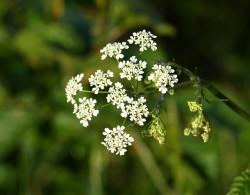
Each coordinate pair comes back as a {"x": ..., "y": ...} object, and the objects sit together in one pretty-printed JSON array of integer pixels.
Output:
[
  {"x": 197, "y": 80},
  {"x": 102, "y": 106},
  {"x": 229, "y": 102}
]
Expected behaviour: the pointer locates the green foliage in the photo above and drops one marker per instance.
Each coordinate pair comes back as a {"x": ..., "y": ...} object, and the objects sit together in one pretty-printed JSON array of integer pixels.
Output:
[
  {"x": 210, "y": 97},
  {"x": 42, "y": 44},
  {"x": 241, "y": 184},
  {"x": 157, "y": 129},
  {"x": 199, "y": 124},
  {"x": 44, "y": 149}
]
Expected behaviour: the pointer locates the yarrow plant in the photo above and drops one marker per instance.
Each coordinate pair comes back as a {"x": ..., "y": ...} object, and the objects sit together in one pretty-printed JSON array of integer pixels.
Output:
[{"x": 145, "y": 79}]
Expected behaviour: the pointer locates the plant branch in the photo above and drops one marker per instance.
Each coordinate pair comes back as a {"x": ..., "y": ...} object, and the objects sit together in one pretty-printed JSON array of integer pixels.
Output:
[
  {"x": 229, "y": 102},
  {"x": 197, "y": 80}
]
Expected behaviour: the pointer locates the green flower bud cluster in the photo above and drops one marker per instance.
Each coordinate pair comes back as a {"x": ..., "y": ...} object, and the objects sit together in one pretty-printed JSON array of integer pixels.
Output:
[
  {"x": 157, "y": 129},
  {"x": 199, "y": 124}
]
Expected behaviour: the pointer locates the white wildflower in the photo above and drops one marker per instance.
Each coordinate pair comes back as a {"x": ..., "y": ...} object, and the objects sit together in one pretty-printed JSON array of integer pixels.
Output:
[
  {"x": 75, "y": 108},
  {"x": 85, "y": 110},
  {"x": 100, "y": 80},
  {"x": 162, "y": 77},
  {"x": 117, "y": 95},
  {"x": 144, "y": 40},
  {"x": 117, "y": 140},
  {"x": 136, "y": 110},
  {"x": 132, "y": 69},
  {"x": 114, "y": 50},
  {"x": 72, "y": 87}
]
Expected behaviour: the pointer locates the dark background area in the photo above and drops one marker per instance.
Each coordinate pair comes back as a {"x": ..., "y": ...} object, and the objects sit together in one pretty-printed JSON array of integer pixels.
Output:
[{"x": 43, "y": 147}]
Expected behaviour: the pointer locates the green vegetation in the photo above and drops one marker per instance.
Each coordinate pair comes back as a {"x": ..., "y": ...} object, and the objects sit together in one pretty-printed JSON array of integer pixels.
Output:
[{"x": 45, "y": 150}]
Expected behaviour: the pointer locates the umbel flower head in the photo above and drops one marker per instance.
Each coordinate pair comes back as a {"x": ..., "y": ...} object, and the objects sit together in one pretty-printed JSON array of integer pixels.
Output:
[
  {"x": 199, "y": 124},
  {"x": 144, "y": 40},
  {"x": 131, "y": 102},
  {"x": 162, "y": 77},
  {"x": 136, "y": 110},
  {"x": 132, "y": 69},
  {"x": 117, "y": 95},
  {"x": 72, "y": 87},
  {"x": 85, "y": 110},
  {"x": 116, "y": 140},
  {"x": 114, "y": 50},
  {"x": 100, "y": 80}
]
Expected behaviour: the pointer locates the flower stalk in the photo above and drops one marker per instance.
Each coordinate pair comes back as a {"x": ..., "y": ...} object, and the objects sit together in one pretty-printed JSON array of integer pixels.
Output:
[{"x": 162, "y": 78}]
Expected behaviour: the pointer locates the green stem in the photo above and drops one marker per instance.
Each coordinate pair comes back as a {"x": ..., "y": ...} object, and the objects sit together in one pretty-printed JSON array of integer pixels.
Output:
[
  {"x": 186, "y": 71},
  {"x": 229, "y": 102},
  {"x": 196, "y": 80},
  {"x": 124, "y": 121},
  {"x": 102, "y": 106},
  {"x": 177, "y": 86},
  {"x": 137, "y": 85},
  {"x": 87, "y": 91},
  {"x": 105, "y": 92}
]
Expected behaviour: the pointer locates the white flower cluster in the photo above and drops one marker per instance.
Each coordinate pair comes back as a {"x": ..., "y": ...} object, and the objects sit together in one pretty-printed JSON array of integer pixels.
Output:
[
  {"x": 117, "y": 140},
  {"x": 136, "y": 110},
  {"x": 85, "y": 110},
  {"x": 132, "y": 69},
  {"x": 114, "y": 50},
  {"x": 162, "y": 77},
  {"x": 100, "y": 80},
  {"x": 144, "y": 40},
  {"x": 72, "y": 87},
  {"x": 117, "y": 95}
]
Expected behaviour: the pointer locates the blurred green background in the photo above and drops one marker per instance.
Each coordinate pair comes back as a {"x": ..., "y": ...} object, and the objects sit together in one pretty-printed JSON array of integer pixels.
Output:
[{"x": 43, "y": 147}]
